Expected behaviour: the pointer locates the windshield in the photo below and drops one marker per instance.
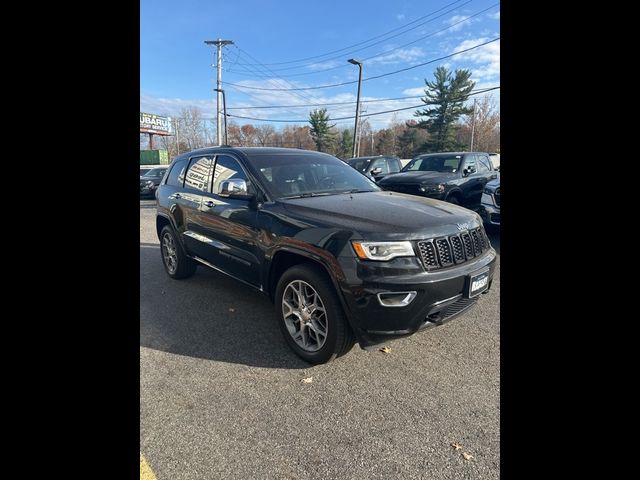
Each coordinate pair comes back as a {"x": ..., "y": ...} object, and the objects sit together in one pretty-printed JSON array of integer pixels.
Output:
[
  {"x": 359, "y": 164},
  {"x": 435, "y": 163},
  {"x": 156, "y": 172},
  {"x": 306, "y": 175}
]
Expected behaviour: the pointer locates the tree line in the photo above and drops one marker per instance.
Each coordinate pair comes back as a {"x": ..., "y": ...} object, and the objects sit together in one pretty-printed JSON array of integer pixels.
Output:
[{"x": 446, "y": 123}]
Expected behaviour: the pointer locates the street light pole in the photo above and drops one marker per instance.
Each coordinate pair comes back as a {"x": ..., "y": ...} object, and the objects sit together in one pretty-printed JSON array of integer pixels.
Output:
[
  {"x": 224, "y": 105},
  {"x": 355, "y": 129}
]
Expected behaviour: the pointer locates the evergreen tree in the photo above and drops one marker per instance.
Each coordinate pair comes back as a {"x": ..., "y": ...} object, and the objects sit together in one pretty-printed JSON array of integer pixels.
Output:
[
  {"x": 346, "y": 144},
  {"x": 408, "y": 143},
  {"x": 321, "y": 130},
  {"x": 445, "y": 97}
]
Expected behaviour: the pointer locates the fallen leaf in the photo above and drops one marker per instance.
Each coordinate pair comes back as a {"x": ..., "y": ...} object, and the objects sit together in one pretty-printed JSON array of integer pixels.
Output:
[
  {"x": 467, "y": 456},
  {"x": 456, "y": 445},
  {"x": 307, "y": 380},
  {"x": 232, "y": 310},
  {"x": 385, "y": 350}
]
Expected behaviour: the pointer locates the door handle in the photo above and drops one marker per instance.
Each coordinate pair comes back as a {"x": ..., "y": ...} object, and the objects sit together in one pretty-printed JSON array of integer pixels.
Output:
[
  {"x": 177, "y": 195},
  {"x": 209, "y": 204}
]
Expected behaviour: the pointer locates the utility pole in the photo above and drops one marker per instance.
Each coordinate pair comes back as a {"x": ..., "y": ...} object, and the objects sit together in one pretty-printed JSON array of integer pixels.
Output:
[
  {"x": 473, "y": 124},
  {"x": 177, "y": 136},
  {"x": 219, "y": 44}
]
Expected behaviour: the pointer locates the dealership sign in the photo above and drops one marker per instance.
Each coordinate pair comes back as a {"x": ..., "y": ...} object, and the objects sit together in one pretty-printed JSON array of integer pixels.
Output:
[{"x": 150, "y": 123}]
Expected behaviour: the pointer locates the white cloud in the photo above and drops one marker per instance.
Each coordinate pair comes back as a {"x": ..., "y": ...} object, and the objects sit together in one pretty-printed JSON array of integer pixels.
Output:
[
  {"x": 458, "y": 22},
  {"x": 324, "y": 65},
  {"x": 399, "y": 56},
  {"x": 488, "y": 56},
  {"x": 173, "y": 106},
  {"x": 414, "y": 91},
  {"x": 400, "y": 16},
  {"x": 495, "y": 16}
]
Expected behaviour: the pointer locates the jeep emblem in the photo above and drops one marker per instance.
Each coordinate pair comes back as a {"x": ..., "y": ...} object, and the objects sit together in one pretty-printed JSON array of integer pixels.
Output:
[{"x": 462, "y": 226}]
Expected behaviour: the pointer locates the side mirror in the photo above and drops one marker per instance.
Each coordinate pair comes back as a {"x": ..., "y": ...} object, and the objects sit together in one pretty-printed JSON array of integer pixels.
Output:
[
  {"x": 236, "y": 188},
  {"x": 376, "y": 171}
]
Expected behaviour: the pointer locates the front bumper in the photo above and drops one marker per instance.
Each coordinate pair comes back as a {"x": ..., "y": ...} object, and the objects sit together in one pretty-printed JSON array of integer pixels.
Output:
[
  {"x": 490, "y": 214},
  {"x": 439, "y": 295},
  {"x": 148, "y": 190}
]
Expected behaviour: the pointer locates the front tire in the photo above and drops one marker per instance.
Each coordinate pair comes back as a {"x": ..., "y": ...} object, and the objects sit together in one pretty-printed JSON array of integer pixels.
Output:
[
  {"x": 310, "y": 315},
  {"x": 175, "y": 261},
  {"x": 453, "y": 199}
]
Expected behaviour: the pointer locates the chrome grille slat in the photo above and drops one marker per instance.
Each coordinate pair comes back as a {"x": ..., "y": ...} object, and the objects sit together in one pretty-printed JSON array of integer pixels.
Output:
[{"x": 443, "y": 252}]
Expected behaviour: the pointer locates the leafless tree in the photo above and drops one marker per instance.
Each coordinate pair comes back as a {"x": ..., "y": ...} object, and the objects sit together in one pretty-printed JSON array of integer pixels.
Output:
[
  {"x": 192, "y": 127},
  {"x": 485, "y": 125},
  {"x": 263, "y": 133}
]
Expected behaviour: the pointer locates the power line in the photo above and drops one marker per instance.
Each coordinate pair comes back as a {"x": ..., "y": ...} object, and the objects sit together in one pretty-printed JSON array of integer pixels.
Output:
[
  {"x": 353, "y": 116},
  {"x": 369, "y": 78},
  {"x": 324, "y": 104},
  {"x": 383, "y": 40},
  {"x": 306, "y": 97},
  {"x": 387, "y": 52},
  {"x": 368, "y": 40}
]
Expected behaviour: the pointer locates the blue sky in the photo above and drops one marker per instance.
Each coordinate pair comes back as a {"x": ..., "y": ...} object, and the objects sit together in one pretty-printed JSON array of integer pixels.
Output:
[{"x": 287, "y": 44}]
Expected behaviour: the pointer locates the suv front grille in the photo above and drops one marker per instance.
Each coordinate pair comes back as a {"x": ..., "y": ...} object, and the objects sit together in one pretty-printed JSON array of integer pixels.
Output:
[
  {"x": 410, "y": 188},
  {"x": 443, "y": 252}
]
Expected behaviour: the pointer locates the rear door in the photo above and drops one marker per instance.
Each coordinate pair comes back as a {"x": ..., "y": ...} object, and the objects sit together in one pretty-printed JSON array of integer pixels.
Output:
[
  {"x": 471, "y": 183},
  {"x": 196, "y": 182},
  {"x": 229, "y": 225}
]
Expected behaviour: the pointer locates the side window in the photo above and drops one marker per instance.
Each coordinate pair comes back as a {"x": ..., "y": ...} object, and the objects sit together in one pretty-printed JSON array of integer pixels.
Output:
[
  {"x": 176, "y": 176},
  {"x": 483, "y": 164},
  {"x": 197, "y": 177},
  {"x": 470, "y": 163},
  {"x": 394, "y": 165},
  {"x": 380, "y": 163},
  {"x": 227, "y": 168}
]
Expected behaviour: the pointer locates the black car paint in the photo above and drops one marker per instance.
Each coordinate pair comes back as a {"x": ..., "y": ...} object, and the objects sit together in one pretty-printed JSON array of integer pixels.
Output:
[
  {"x": 248, "y": 240},
  {"x": 150, "y": 190},
  {"x": 490, "y": 205},
  {"x": 393, "y": 163},
  {"x": 467, "y": 187}
]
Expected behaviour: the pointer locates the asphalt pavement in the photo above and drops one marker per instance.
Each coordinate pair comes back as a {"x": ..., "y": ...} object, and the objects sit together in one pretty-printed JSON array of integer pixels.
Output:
[{"x": 221, "y": 393}]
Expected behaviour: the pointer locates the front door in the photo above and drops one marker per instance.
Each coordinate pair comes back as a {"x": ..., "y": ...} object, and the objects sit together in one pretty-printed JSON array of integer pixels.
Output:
[{"x": 230, "y": 225}]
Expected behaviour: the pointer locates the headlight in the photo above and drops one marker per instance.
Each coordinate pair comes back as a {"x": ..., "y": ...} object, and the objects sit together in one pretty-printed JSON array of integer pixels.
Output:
[
  {"x": 383, "y": 250},
  {"x": 432, "y": 188},
  {"x": 149, "y": 183}
]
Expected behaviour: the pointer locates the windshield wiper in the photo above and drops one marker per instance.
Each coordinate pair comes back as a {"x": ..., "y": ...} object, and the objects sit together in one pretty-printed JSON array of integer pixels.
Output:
[
  {"x": 308, "y": 194},
  {"x": 358, "y": 190}
]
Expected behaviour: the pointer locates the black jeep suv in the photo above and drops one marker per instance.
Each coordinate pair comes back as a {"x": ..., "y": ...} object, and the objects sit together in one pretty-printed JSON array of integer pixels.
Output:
[
  {"x": 341, "y": 259},
  {"x": 456, "y": 177}
]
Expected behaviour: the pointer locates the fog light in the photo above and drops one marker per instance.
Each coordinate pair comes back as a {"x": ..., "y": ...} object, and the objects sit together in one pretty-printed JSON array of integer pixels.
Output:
[{"x": 396, "y": 299}]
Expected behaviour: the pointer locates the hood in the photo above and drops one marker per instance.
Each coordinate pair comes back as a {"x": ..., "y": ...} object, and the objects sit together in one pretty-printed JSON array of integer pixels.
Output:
[
  {"x": 417, "y": 177},
  {"x": 383, "y": 215}
]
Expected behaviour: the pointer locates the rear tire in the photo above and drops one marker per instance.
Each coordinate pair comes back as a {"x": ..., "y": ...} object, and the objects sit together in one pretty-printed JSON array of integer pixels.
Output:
[
  {"x": 310, "y": 315},
  {"x": 175, "y": 261}
]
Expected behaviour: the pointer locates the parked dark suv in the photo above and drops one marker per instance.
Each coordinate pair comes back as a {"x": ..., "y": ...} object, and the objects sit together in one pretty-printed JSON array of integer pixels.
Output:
[
  {"x": 376, "y": 168},
  {"x": 341, "y": 259},
  {"x": 455, "y": 177},
  {"x": 150, "y": 180}
]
